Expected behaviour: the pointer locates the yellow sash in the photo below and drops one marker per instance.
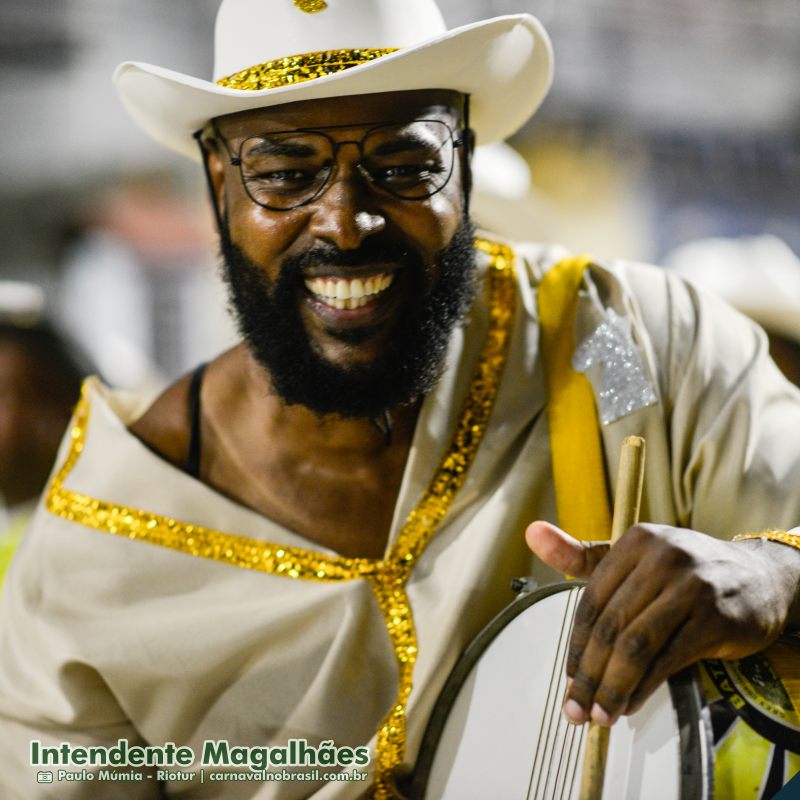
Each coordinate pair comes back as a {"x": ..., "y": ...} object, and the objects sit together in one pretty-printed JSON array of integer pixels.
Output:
[{"x": 577, "y": 454}]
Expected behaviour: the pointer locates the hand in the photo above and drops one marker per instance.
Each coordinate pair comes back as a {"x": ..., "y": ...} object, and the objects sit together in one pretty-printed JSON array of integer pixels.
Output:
[{"x": 662, "y": 599}]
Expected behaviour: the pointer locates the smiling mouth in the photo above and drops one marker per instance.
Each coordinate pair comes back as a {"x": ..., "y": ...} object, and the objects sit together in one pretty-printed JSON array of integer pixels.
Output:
[{"x": 343, "y": 293}]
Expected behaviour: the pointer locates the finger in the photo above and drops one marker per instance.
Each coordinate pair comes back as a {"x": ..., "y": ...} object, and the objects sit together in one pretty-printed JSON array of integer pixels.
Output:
[
  {"x": 593, "y": 647},
  {"x": 674, "y": 657},
  {"x": 639, "y": 653},
  {"x": 696, "y": 639},
  {"x": 562, "y": 552},
  {"x": 633, "y": 554}
]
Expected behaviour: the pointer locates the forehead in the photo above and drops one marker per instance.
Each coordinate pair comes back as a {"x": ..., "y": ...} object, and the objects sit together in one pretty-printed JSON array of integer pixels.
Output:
[{"x": 347, "y": 110}]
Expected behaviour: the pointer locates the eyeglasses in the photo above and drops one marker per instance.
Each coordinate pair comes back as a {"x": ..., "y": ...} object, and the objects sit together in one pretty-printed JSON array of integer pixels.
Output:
[{"x": 288, "y": 169}]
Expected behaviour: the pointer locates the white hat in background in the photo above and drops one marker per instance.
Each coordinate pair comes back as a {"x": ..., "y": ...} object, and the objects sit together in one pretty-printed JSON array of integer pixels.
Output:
[
  {"x": 759, "y": 275},
  {"x": 499, "y": 170},
  {"x": 269, "y": 52},
  {"x": 21, "y": 304}
]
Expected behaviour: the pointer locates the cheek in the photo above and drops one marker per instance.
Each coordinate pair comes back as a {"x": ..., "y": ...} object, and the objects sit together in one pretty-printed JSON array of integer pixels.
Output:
[
  {"x": 433, "y": 223},
  {"x": 447, "y": 209},
  {"x": 261, "y": 234}
]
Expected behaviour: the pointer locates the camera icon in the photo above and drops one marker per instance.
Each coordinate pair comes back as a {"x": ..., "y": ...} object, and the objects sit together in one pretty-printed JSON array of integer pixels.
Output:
[{"x": 44, "y": 777}]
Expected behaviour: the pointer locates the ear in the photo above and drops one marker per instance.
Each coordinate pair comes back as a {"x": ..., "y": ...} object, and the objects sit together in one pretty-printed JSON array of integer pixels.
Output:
[
  {"x": 216, "y": 172},
  {"x": 214, "y": 167}
]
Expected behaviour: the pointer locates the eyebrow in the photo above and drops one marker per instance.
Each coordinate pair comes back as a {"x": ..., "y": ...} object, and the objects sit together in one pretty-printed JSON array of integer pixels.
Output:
[
  {"x": 403, "y": 145},
  {"x": 278, "y": 147}
]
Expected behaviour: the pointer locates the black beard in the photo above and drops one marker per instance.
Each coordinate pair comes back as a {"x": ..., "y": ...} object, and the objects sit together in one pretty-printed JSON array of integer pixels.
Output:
[{"x": 268, "y": 319}]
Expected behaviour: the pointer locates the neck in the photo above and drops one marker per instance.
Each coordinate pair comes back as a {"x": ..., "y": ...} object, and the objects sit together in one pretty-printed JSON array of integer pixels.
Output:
[
  {"x": 334, "y": 480},
  {"x": 293, "y": 424}
]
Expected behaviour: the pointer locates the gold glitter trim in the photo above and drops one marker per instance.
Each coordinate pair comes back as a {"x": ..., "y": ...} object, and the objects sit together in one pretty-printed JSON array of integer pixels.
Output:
[
  {"x": 792, "y": 539},
  {"x": 311, "y": 6},
  {"x": 299, "y": 68},
  {"x": 387, "y": 577}
]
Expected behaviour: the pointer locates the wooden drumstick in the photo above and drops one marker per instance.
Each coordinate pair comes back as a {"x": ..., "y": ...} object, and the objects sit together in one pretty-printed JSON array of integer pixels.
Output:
[{"x": 627, "y": 499}]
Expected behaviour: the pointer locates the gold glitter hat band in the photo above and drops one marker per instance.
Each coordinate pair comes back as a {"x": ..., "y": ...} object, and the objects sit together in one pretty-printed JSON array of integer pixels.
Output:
[{"x": 299, "y": 68}]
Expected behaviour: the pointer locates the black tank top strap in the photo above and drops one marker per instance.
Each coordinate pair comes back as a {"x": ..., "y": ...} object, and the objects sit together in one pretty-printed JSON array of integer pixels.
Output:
[{"x": 194, "y": 449}]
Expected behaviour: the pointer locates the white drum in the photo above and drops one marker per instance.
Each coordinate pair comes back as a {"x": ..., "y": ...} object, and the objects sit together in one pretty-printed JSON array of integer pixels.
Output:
[{"x": 498, "y": 731}]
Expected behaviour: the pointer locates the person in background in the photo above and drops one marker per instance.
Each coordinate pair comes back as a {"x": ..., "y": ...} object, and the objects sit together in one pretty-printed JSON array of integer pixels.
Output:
[{"x": 40, "y": 380}]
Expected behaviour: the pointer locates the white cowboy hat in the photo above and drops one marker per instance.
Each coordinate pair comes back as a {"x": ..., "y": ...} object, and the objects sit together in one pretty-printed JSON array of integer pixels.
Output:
[
  {"x": 759, "y": 275},
  {"x": 269, "y": 52}
]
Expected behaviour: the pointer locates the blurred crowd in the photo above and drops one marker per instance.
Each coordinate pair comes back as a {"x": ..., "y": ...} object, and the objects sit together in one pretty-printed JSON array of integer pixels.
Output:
[{"x": 40, "y": 379}]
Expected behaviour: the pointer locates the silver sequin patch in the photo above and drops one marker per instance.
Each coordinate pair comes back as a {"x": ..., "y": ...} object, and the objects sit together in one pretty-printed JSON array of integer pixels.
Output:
[{"x": 624, "y": 385}]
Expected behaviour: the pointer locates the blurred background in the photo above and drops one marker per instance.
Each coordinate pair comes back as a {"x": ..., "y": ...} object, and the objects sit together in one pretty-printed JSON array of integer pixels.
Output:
[{"x": 669, "y": 122}]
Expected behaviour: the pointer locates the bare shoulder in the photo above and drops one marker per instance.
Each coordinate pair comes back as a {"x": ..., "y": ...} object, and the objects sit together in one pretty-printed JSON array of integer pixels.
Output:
[{"x": 164, "y": 427}]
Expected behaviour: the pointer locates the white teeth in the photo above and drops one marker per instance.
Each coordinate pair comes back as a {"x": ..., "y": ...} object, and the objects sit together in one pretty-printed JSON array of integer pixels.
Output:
[{"x": 342, "y": 293}]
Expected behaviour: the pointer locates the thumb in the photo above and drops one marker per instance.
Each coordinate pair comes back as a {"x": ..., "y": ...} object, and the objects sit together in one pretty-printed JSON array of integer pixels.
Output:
[{"x": 562, "y": 552}]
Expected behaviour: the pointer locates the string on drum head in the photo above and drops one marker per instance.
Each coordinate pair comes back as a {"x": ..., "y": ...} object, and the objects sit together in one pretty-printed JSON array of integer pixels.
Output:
[{"x": 556, "y": 760}]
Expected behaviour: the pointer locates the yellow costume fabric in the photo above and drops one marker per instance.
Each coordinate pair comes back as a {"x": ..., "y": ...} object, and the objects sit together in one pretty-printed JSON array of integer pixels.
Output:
[{"x": 578, "y": 472}]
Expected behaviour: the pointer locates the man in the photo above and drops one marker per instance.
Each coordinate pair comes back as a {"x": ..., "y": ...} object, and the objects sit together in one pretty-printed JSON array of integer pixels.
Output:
[
  {"x": 297, "y": 542},
  {"x": 40, "y": 379}
]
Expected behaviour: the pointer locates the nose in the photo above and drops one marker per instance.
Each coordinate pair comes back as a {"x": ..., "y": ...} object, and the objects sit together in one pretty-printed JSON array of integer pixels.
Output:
[{"x": 345, "y": 214}]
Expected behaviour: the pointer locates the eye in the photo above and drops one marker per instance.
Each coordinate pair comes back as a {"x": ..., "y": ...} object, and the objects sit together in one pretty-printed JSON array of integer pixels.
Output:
[
  {"x": 407, "y": 173},
  {"x": 285, "y": 180},
  {"x": 282, "y": 176}
]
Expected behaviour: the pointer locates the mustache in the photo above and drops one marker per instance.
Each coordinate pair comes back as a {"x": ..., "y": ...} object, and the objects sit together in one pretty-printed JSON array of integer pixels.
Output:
[{"x": 330, "y": 255}]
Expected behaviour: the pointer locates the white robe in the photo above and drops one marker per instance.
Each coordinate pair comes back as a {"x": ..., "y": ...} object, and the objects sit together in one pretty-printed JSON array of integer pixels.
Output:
[{"x": 106, "y": 638}]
